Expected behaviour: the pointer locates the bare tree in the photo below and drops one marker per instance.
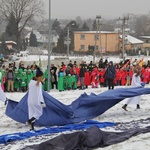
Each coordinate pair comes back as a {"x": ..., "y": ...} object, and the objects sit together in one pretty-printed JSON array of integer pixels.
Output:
[
  {"x": 142, "y": 25},
  {"x": 23, "y": 11}
]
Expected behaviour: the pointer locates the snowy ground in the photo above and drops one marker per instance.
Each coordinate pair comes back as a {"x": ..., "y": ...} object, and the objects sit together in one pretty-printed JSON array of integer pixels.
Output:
[{"x": 115, "y": 114}]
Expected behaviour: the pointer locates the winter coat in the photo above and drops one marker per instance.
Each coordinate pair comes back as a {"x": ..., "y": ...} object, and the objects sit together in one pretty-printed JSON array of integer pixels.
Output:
[{"x": 110, "y": 72}]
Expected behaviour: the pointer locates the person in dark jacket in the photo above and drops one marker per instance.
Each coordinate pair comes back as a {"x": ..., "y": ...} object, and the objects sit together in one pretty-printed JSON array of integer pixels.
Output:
[
  {"x": 91, "y": 66},
  {"x": 83, "y": 68},
  {"x": 53, "y": 70},
  {"x": 110, "y": 75},
  {"x": 101, "y": 63}
]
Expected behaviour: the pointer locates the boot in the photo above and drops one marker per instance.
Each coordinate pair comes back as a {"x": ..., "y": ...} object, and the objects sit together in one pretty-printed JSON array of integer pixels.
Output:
[
  {"x": 32, "y": 126},
  {"x": 30, "y": 122},
  {"x": 138, "y": 106},
  {"x": 125, "y": 107}
]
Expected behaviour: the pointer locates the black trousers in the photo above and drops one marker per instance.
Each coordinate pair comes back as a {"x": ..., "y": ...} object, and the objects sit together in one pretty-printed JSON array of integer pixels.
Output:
[
  {"x": 54, "y": 83},
  {"x": 110, "y": 83}
]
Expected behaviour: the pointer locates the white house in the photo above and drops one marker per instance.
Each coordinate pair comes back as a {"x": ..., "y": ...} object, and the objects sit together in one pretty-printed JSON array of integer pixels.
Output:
[{"x": 42, "y": 38}]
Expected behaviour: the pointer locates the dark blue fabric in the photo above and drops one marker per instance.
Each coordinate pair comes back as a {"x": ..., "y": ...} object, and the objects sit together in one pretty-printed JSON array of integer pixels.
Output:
[
  {"x": 70, "y": 127},
  {"x": 83, "y": 108},
  {"x": 55, "y": 112}
]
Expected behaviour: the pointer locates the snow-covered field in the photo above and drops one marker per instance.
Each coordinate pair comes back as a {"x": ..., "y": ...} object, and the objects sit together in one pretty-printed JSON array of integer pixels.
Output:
[{"x": 115, "y": 114}]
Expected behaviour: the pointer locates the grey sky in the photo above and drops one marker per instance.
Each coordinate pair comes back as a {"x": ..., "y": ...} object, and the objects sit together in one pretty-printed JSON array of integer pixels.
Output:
[{"x": 62, "y": 9}]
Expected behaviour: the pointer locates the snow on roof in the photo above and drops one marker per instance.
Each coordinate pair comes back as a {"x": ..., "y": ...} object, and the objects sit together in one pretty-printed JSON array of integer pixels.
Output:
[
  {"x": 132, "y": 39},
  {"x": 7, "y": 42},
  {"x": 10, "y": 42},
  {"x": 145, "y": 37},
  {"x": 94, "y": 32}
]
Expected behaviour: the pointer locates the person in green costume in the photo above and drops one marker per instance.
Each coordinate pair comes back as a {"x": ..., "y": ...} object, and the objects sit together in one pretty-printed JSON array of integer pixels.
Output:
[
  {"x": 23, "y": 81},
  {"x": 21, "y": 68},
  {"x": 61, "y": 80},
  {"x": 65, "y": 81},
  {"x": 45, "y": 81},
  {"x": 74, "y": 81},
  {"x": 3, "y": 78},
  {"x": 69, "y": 82}
]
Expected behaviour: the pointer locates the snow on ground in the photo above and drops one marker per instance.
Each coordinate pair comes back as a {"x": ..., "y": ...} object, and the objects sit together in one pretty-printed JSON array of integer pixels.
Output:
[{"x": 115, "y": 114}]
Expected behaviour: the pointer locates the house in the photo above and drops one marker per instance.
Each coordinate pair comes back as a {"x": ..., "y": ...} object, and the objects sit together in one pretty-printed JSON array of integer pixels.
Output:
[
  {"x": 10, "y": 44},
  {"x": 43, "y": 39},
  {"x": 131, "y": 43},
  {"x": 146, "y": 44},
  {"x": 103, "y": 41}
]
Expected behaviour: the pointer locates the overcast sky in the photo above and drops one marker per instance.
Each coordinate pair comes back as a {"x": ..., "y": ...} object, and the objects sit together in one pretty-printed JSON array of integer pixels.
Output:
[{"x": 62, "y": 9}]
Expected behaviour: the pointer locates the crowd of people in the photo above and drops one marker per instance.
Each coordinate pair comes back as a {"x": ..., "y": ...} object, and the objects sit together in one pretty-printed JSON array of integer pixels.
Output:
[{"x": 72, "y": 75}]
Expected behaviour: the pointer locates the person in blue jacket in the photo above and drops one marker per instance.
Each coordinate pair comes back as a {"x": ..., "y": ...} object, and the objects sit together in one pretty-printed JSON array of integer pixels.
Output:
[{"x": 110, "y": 75}]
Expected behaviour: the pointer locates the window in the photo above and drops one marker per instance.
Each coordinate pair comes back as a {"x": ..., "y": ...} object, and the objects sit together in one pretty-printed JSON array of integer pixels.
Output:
[
  {"x": 96, "y": 48},
  {"x": 82, "y": 37},
  {"x": 96, "y": 37},
  {"x": 82, "y": 47}
]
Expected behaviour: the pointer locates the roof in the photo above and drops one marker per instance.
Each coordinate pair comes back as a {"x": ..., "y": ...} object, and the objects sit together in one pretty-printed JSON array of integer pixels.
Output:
[
  {"x": 132, "y": 39},
  {"x": 94, "y": 32},
  {"x": 10, "y": 42},
  {"x": 7, "y": 42},
  {"x": 145, "y": 37}
]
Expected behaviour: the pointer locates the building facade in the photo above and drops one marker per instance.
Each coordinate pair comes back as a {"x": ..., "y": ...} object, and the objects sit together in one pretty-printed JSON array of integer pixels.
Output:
[{"x": 103, "y": 41}]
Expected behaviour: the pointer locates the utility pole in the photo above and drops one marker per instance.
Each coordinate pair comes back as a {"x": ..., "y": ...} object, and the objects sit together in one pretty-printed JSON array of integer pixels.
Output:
[
  {"x": 68, "y": 42},
  {"x": 124, "y": 19},
  {"x": 49, "y": 46},
  {"x": 97, "y": 36},
  {"x": 100, "y": 39}
]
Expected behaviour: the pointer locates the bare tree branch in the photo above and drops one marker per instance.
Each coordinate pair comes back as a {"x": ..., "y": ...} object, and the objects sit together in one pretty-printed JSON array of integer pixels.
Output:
[{"x": 23, "y": 11}]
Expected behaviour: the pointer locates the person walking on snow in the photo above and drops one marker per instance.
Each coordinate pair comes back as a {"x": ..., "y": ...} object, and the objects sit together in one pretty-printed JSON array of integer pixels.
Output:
[
  {"x": 35, "y": 99},
  {"x": 136, "y": 81}
]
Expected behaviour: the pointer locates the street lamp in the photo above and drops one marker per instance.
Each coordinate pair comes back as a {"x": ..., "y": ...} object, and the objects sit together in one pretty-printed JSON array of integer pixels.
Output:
[
  {"x": 97, "y": 36},
  {"x": 49, "y": 46}
]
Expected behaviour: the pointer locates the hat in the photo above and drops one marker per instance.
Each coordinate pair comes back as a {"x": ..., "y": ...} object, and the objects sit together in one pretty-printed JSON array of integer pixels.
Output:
[
  {"x": 39, "y": 72},
  {"x": 111, "y": 62}
]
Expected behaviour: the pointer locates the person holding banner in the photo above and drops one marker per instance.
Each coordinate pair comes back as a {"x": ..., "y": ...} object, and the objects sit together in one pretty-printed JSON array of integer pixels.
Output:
[
  {"x": 35, "y": 99},
  {"x": 136, "y": 81}
]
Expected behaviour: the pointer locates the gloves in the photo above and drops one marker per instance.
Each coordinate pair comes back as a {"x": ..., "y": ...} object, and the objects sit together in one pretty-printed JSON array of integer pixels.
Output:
[
  {"x": 143, "y": 84},
  {"x": 43, "y": 104}
]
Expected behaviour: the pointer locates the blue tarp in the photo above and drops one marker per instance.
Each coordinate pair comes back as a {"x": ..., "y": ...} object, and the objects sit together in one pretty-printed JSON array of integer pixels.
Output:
[
  {"x": 70, "y": 127},
  {"x": 83, "y": 108}
]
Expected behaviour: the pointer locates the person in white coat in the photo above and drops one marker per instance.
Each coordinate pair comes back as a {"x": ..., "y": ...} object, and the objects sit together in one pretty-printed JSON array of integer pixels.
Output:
[
  {"x": 136, "y": 81},
  {"x": 2, "y": 95},
  {"x": 35, "y": 99}
]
